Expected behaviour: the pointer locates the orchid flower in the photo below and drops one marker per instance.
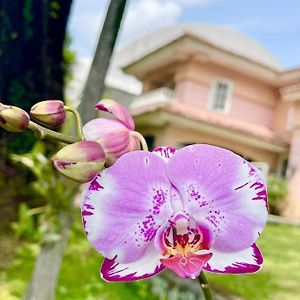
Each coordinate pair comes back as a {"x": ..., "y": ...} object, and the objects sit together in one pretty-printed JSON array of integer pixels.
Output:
[
  {"x": 201, "y": 207},
  {"x": 115, "y": 136}
]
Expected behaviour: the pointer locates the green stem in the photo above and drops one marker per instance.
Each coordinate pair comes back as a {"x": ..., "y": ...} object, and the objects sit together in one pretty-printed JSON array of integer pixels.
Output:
[
  {"x": 42, "y": 133},
  {"x": 38, "y": 210},
  {"x": 78, "y": 120},
  {"x": 205, "y": 286},
  {"x": 141, "y": 139}
]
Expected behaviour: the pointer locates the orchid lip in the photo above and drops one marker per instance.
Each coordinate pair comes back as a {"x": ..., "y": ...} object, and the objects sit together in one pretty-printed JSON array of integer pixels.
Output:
[{"x": 186, "y": 250}]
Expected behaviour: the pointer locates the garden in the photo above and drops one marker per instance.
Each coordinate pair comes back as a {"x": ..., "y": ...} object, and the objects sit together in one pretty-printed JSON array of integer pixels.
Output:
[{"x": 93, "y": 204}]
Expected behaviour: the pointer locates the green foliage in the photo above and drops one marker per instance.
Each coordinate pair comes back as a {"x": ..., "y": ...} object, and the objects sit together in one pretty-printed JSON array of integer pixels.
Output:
[
  {"x": 277, "y": 191},
  {"x": 69, "y": 59},
  {"x": 79, "y": 277},
  {"x": 49, "y": 185},
  {"x": 25, "y": 227},
  {"x": 280, "y": 275},
  {"x": 55, "y": 194},
  {"x": 28, "y": 18},
  {"x": 21, "y": 143}
]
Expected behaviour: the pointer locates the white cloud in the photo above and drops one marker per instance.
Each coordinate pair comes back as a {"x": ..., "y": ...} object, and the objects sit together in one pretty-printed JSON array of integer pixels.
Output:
[
  {"x": 194, "y": 2},
  {"x": 147, "y": 15},
  {"x": 142, "y": 16}
]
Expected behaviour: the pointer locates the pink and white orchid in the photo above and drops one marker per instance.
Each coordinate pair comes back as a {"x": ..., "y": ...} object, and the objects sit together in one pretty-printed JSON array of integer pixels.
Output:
[
  {"x": 115, "y": 136},
  {"x": 201, "y": 207}
]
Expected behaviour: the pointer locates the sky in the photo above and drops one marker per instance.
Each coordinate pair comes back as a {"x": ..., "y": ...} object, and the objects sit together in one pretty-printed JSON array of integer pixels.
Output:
[{"x": 274, "y": 24}]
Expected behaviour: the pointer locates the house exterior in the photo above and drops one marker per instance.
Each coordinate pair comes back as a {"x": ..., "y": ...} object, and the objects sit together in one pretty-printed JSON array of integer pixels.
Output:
[{"x": 207, "y": 84}]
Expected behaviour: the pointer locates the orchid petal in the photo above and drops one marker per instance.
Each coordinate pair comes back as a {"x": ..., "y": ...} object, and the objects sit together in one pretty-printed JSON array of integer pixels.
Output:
[
  {"x": 100, "y": 127},
  {"x": 134, "y": 144},
  {"x": 115, "y": 144},
  {"x": 164, "y": 152},
  {"x": 248, "y": 260},
  {"x": 126, "y": 204},
  {"x": 148, "y": 265},
  {"x": 118, "y": 110},
  {"x": 222, "y": 190}
]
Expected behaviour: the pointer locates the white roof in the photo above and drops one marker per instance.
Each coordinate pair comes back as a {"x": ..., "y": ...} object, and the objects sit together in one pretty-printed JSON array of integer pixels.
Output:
[{"x": 224, "y": 38}]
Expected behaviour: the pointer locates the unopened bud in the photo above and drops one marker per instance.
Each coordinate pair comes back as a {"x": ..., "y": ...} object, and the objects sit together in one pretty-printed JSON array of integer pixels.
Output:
[
  {"x": 13, "y": 118},
  {"x": 80, "y": 161},
  {"x": 49, "y": 112}
]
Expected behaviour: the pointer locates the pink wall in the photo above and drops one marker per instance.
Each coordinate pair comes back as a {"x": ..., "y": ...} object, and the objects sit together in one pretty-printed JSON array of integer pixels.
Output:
[
  {"x": 251, "y": 112},
  {"x": 197, "y": 94},
  {"x": 252, "y": 100},
  {"x": 193, "y": 93}
]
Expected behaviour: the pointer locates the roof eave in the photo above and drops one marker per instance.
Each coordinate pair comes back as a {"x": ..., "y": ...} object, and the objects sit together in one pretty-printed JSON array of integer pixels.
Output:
[
  {"x": 188, "y": 46},
  {"x": 163, "y": 117}
]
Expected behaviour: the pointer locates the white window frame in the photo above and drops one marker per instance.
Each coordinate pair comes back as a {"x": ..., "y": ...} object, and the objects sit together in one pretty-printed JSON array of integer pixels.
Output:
[{"x": 211, "y": 101}]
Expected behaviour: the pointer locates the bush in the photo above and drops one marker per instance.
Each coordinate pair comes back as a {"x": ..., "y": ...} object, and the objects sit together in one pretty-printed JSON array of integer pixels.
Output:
[{"x": 277, "y": 191}]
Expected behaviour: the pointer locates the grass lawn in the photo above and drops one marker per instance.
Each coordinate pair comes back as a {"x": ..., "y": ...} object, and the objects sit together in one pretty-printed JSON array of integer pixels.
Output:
[
  {"x": 279, "y": 278},
  {"x": 79, "y": 277}
]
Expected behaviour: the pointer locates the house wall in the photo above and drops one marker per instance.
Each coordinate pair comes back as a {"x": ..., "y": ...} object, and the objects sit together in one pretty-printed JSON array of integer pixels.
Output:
[
  {"x": 177, "y": 137},
  {"x": 251, "y": 100}
]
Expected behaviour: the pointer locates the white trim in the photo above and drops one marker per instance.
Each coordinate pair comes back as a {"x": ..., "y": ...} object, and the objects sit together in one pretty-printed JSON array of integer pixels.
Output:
[
  {"x": 228, "y": 100},
  {"x": 160, "y": 95}
]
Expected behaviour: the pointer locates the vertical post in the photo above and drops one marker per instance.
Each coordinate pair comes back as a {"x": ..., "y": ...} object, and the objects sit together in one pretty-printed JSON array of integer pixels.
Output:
[
  {"x": 94, "y": 85},
  {"x": 293, "y": 174}
]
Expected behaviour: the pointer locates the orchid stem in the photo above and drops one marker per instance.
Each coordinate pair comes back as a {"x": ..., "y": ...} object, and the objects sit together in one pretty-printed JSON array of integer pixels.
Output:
[
  {"x": 42, "y": 133},
  {"x": 141, "y": 139},
  {"x": 78, "y": 120},
  {"x": 205, "y": 286}
]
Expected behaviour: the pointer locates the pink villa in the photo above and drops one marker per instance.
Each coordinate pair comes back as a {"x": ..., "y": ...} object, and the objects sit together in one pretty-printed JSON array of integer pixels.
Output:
[{"x": 207, "y": 84}]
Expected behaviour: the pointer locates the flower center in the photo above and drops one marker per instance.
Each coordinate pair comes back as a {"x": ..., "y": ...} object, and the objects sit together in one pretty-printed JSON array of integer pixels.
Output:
[
  {"x": 183, "y": 244},
  {"x": 186, "y": 248}
]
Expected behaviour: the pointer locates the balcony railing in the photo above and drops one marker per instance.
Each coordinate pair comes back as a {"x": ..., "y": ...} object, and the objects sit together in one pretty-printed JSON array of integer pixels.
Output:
[{"x": 161, "y": 95}]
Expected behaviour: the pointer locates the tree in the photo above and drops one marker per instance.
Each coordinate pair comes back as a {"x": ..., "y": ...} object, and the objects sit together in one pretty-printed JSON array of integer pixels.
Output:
[{"x": 32, "y": 34}]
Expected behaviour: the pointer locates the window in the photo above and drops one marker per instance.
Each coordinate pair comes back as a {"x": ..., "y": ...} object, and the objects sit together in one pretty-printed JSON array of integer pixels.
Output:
[{"x": 220, "y": 96}]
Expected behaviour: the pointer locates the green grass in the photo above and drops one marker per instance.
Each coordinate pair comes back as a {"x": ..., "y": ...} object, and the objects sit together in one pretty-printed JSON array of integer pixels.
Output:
[
  {"x": 79, "y": 276},
  {"x": 279, "y": 278}
]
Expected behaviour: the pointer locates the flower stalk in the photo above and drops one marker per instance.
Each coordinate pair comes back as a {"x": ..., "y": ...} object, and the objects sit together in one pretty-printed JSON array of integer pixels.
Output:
[
  {"x": 42, "y": 133},
  {"x": 141, "y": 139},
  {"x": 205, "y": 286},
  {"x": 78, "y": 120}
]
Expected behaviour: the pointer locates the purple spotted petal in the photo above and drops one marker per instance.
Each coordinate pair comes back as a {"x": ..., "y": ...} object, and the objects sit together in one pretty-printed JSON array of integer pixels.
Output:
[
  {"x": 223, "y": 191},
  {"x": 248, "y": 260},
  {"x": 100, "y": 127},
  {"x": 126, "y": 204},
  {"x": 118, "y": 110},
  {"x": 147, "y": 266}
]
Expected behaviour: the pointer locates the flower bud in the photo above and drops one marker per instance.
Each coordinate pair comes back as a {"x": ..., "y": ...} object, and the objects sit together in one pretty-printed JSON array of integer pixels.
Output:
[
  {"x": 80, "y": 161},
  {"x": 49, "y": 112},
  {"x": 13, "y": 118}
]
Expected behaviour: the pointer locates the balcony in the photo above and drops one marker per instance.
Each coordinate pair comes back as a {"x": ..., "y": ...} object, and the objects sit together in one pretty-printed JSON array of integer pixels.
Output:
[{"x": 161, "y": 95}]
